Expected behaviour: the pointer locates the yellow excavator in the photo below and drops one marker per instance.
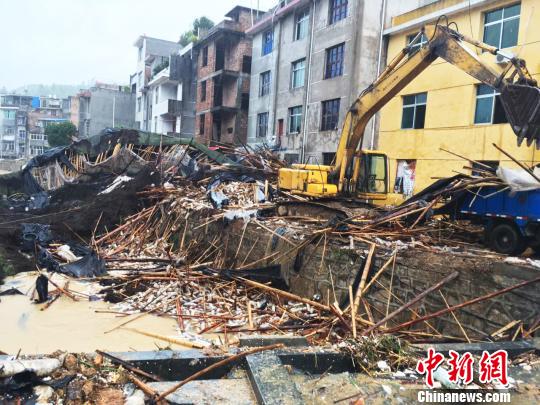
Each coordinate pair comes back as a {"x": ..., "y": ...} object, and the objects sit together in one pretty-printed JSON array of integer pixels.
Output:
[{"x": 364, "y": 173}]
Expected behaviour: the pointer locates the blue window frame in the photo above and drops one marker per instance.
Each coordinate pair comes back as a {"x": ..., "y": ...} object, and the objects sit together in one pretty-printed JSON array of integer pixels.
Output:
[
  {"x": 334, "y": 61},
  {"x": 338, "y": 10},
  {"x": 268, "y": 42}
]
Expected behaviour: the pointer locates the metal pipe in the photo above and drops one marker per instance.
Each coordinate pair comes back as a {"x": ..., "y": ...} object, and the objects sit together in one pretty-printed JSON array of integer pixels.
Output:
[
  {"x": 308, "y": 84},
  {"x": 379, "y": 63}
]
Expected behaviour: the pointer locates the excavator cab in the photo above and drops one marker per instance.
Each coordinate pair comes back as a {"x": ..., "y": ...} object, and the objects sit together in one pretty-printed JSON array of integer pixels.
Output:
[
  {"x": 373, "y": 182},
  {"x": 373, "y": 174}
]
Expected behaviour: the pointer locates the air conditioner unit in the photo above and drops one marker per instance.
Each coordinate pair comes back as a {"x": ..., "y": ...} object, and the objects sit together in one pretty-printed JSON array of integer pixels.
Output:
[
  {"x": 503, "y": 56},
  {"x": 500, "y": 58}
]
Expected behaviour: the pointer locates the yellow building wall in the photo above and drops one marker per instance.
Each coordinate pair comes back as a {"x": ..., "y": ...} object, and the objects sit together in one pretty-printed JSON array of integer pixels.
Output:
[{"x": 451, "y": 100}]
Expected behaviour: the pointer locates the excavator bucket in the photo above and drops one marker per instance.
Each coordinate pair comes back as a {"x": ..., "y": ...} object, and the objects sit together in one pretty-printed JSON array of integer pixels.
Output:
[{"x": 522, "y": 106}]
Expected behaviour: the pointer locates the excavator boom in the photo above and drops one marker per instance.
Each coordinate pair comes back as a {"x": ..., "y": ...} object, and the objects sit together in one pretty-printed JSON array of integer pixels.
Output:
[{"x": 519, "y": 93}]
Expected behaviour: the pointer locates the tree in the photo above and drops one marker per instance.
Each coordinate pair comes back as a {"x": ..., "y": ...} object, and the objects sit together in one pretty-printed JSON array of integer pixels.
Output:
[
  {"x": 60, "y": 134},
  {"x": 199, "y": 25}
]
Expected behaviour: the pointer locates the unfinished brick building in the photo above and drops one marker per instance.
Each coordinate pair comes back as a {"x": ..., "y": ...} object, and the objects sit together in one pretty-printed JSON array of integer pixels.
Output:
[{"x": 223, "y": 74}]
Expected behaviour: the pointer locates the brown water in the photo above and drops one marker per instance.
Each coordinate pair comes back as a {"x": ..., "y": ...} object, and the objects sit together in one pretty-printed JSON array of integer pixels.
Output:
[{"x": 71, "y": 326}]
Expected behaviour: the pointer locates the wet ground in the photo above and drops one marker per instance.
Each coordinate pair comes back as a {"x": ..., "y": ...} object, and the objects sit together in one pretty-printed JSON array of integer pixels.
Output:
[{"x": 71, "y": 326}]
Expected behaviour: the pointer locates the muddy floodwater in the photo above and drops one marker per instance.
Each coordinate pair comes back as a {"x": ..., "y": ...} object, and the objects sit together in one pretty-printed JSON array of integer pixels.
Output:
[{"x": 71, "y": 326}]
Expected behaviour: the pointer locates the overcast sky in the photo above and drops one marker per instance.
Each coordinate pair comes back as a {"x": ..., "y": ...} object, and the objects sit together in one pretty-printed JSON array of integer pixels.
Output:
[{"x": 74, "y": 41}]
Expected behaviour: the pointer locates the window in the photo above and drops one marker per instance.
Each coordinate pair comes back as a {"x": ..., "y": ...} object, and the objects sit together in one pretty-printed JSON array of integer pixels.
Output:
[
  {"x": 157, "y": 95},
  {"x": 414, "y": 111},
  {"x": 22, "y": 134},
  {"x": 244, "y": 101},
  {"x": 9, "y": 146},
  {"x": 334, "y": 61},
  {"x": 295, "y": 119},
  {"x": 328, "y": 158},
  {"x": 138, "y": 104},
  {"x": 489, "y": 109},
  {"x": 140, "y": 53},
  {"x": 298, "y": 73},
  {"x": 9, "y": 131},
  {"x": 419, "y": 41},
  {"x": 291, "y": 158},
  {"x": 267, "y": 42},
  {"x": 301, "y": 25},
  {"x": 36, "y": 150},
  {"x": 264, "y": 83},
  {"x": 501, "y": 26},
  {"x": 203, "y": 90},
  {"x": 205, "y": 56},
  {"x": 9, "y": 114},
  {"x": 246, "y": 64},
  {"x": 338, "y": 10},
  {"x": 330, "y": 115},
  {"x": 201, "y": 124},
  {"x": 36, "y": 137},
  {"x": 139, "y": 80},
  {"x": 262, "y": 124}
]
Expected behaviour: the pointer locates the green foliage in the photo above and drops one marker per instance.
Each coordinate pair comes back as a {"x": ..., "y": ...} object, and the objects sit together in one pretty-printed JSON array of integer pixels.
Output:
[
  {"x": 187, "y": 37},
  {"x": 60, "y": 134},
  {"x": 160, "y": 67},
  {"x": 200, "y": 25}
]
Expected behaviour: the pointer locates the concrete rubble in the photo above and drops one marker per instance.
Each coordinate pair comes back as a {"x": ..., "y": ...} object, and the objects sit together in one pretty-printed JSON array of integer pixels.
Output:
[{"x": 203, "y": 239}]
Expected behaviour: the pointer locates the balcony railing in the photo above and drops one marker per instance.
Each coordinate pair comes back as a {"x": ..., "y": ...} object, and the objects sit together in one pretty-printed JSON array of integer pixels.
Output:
[{"x": 168, "y": 107}]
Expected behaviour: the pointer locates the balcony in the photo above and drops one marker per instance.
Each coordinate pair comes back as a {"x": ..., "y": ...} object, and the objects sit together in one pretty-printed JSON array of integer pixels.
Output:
[{"x": 168, "y": 107}]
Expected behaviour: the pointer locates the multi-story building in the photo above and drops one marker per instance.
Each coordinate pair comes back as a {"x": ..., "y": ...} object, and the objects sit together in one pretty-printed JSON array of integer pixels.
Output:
[
  {"x": 444, "y": 107},
  {"x": 223, "y": 79},
  {"x": 311, "y": 59},
  {"x": 152, "y": 56},
  {"x": 45, "y": 111},
  {"x": 13, "y": 125},
  {"x": 171, "y": 91},
  {"x": 102, "y": 106},
  {"x": 23, "y": 120}
]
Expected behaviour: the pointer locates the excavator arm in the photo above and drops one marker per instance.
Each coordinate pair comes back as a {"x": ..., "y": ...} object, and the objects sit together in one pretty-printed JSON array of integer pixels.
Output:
[
  {"x": 519, "y": 94},
  {"x": 515, "y": 87}
]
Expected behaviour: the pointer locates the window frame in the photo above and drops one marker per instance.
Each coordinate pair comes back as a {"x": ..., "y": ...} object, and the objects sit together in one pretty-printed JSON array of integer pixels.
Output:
[
  {"x": 300, "y": 18},
  {"x": 295, "y": 71},
  {"x": 415, "y": 106},
  {"x": 417, "y": 46},
  {"x": 327, "y": 117},
  {"x": 264, "y": 87},
  {"x": 339, "y": 63},
  {"x": 262, "y": 133},
  {"x": 202, "y": 97},
  {"x": 267, "y": 45},
  {"x": 202, "y": 119},
  {"x": 493, "y": 95},
  {"x": 501, "y": 21},
  {"x": 337, "y": 12},
  {"x": 204, "y": 56},
  {"x": 292, "y": 117}
]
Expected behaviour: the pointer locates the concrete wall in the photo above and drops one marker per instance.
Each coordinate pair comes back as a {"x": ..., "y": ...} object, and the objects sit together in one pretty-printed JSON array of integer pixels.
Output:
[
  {"x": 326, "y": 269},
  {"x": 102, "y": 104}
]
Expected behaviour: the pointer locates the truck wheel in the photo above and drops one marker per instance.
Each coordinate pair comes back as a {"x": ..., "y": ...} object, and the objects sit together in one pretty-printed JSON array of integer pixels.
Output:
[{"x": 506, "y": 239}]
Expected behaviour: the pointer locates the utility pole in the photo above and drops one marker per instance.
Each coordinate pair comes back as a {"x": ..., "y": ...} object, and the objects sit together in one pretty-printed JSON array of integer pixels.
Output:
[{"x": 113, "y": 109}]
